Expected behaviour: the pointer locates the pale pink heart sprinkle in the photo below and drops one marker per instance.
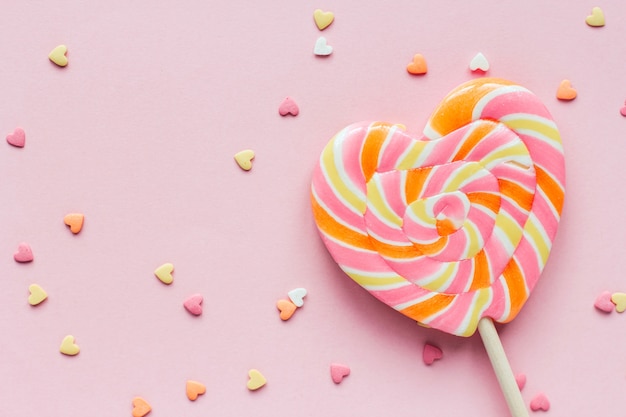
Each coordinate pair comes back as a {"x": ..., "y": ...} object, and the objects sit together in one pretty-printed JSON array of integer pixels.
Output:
[
  {"x": 603, "y": 302},
  {"x": 338, "y": 372},
  {"x": 17, "y": 138},
  {"x": 24, "y": 253},
  {"x": 288, "y": 106},
  {"x": 540, "y": 402},
  {"x": 193, "y": 304},
  {"x": 431, "y": 354},
  {"x": 521, "y": 381}
]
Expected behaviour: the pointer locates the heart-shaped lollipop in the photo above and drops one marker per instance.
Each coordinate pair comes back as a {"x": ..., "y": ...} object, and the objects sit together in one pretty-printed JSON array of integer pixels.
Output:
[{"x": 452, "y": 227}]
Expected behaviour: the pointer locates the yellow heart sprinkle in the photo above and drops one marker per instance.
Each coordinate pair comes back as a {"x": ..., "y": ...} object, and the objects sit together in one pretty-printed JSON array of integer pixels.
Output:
[
  {"x": 256, "y": 381},
  {"x": 68, "y": 347},
  {"x": 37, "y": 295},
  {"x": 619, "y": 299},
  {"x": 323, "y": 19},
  {"x": 58, "y": 55},
  {"x": 596, "y": 18},
  {"x": 244, "y": 159},
  {"x": 164, "y": 273}
]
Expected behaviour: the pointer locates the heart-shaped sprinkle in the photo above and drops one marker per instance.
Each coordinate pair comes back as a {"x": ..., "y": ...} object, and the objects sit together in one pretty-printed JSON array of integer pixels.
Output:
[
  {"x": 521, "y": 381},
  {"x": 322, "y": 48},
  {"x": 288, "y": 106},
  {"x": 57, "y": 55},
  {"x": 68, "y": 347},
  {"x": 193, "y": 304},
  {"x": 256, "y": 380},
  {"x": 37, "y": 295},
  {"x": 603, "y": 302},
  {"x": 479, "y": 63},
  {"x": 418, "y": 65},
  {"x": 194, "y": 388},
  {"x": 566, "y": 91},
  {"x": 622, "y": 111},
  {"x": 164, "y": 273},
  {"x": 323, "y": 19},
  {"x": 619, "y": 299},
  {"x": 244, "y": 159},
  {"x": 74, "y": 221},
  {"x": 24, "y": 253},
  {"x": 297, "y": 296},
  {"x": 338, "y": 372},
  {"x": 140, "y": 407},
  {"x": 596, "y": 18},
  {"x": 540, "y": 402},
  {"x": 286, "y": 308},
  {"x": 431, "y": 354},
  {"x": 17, "y": 138}
]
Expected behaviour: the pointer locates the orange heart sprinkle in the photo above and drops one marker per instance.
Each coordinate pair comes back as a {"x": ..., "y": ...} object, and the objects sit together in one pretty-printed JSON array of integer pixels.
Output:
[
  {"x": 418, "y": 65},
  {"x": 566, "y": 91},
  {"x": 140, "y": 407},
  {"x": 195, "y": 388},
  {"x": 287, "y": 308},
  {"x": 74, "y": 221}
]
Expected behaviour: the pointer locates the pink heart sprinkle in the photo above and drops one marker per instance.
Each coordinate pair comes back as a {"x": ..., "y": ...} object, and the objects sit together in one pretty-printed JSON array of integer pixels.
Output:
[
  {"x": 17, "y": 138},
  {"x": 540, "y": 402},
  {"x": 24, "y": 253},
  {"x": 338, "y": 372},
  {"x": 431, "y": 354},
  {"x": 603, "y": 302},
  {"x": 193, "y": 304},
  {"x": 623, "y": 110},
  {"x": 521, "y": 381},
  {"x": 288, "y": 106}
]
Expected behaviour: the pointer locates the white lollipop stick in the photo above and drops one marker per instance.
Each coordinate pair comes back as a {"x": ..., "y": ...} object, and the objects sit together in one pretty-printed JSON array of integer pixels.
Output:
[{"x": 502, "y": 368}]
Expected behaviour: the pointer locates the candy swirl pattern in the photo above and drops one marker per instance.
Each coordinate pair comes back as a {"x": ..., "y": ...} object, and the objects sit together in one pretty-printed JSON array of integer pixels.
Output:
[{"x": 456, "y": 225}]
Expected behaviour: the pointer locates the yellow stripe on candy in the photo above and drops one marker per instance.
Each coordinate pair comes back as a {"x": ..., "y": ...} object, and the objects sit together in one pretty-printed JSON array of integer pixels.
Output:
[
  {"x": 376, "y": 199},
  {"x": 481, "y": 299},
  {"x": 474, "y": 238},
  {"x": 545, "y": 128},
  {"x": 538, "y": 239},
  {"x": 374, "y": 282},
  {"x": 507, "y": 153},
  {"x": 461, "y": 175},
  {"x": 411, "y": 158},
  {"x": 510, "y": 229},
  {"x": 334, "y": 178},
  {"x": 444, "y": 276}
]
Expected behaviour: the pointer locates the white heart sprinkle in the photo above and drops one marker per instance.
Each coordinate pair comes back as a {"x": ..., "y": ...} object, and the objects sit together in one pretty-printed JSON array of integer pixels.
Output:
[
  {"x": 322, "y": 48},
  {"x": 296, "y": 296},
  {"x": 479, "y": 62}
]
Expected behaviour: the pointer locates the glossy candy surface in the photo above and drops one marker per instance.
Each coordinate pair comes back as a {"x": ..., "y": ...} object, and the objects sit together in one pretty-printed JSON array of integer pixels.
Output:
[{"x": 453, "y": 226}]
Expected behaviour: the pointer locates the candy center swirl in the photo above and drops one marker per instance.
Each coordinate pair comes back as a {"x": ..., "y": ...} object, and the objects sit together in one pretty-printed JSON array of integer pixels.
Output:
[{"x": 452, "y": 227}]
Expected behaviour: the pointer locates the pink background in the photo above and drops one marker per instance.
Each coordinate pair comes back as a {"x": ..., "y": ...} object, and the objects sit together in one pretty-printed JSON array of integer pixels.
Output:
[{"x": 139, "y": 131}]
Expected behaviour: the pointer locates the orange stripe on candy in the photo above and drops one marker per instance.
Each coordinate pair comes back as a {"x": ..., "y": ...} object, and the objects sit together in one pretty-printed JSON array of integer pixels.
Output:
[
  {"x": 427, "y": 308},
  {"x": 435, "y": 247},
  {"x": 514, "y": 279},
  {"x": 457, "y": 109},
  {"x": 395, "y": 251},
  {"x": 482, "y": 275},
  {"x": 491, "y": 201},
  {"x": 335, "y": 229},
  {"x": 551, "y": 188},
  {"x": 446, "y": 227},
  {"x": 517, "y": 193},
  {"x": 478, "y": 134},
  {"x": 415, "y": 180},
  {"x": 371, "y": 148}
]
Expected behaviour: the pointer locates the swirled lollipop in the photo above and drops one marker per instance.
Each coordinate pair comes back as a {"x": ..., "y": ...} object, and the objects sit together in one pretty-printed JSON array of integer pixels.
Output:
[{"x": 452, "y": 229}]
